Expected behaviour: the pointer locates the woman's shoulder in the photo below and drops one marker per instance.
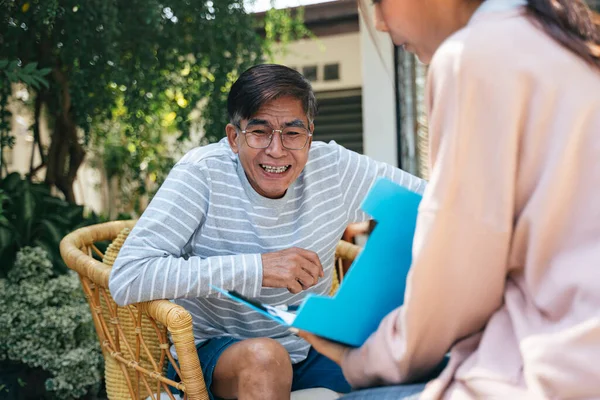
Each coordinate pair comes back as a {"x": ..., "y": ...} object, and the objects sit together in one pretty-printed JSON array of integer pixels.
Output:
[
  {"x": 501, "y": 44},
  {"x": 488, "y": 43},
  {"x": 510, "y": 50}
]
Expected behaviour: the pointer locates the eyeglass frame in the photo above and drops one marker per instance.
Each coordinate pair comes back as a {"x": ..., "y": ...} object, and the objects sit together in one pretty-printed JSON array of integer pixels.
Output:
[{"x": 244, "y": 131}]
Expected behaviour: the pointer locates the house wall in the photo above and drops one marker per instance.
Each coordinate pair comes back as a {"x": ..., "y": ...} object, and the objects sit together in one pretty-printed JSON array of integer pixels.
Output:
[
  {"x": 379, "y": 98},
  {"x": 361, "y": 66},
  {"x": 342, "y": 49}
]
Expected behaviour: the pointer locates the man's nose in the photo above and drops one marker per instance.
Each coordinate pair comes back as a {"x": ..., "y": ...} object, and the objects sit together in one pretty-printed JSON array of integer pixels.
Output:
[{"x": 276, "y": 148}]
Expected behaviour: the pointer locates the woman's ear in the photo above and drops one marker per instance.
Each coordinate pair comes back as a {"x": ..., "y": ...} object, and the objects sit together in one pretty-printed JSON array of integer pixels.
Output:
[{"x": 232, "y": 134}]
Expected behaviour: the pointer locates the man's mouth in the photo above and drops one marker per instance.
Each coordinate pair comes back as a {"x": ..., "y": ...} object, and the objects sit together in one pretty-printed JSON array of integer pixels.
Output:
[{"x": 275, "y": 169}]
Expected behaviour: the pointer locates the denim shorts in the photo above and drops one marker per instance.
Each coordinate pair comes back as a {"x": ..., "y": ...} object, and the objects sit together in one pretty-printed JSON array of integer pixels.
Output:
[{"x": 315, "y": 371}]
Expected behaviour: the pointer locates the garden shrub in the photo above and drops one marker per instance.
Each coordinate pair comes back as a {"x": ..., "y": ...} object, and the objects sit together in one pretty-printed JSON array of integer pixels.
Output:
[{"x": 45, "y": 323}]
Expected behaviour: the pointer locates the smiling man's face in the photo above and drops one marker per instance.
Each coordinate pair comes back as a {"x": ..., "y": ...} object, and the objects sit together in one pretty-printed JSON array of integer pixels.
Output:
[{"x": 272, "y": 170}]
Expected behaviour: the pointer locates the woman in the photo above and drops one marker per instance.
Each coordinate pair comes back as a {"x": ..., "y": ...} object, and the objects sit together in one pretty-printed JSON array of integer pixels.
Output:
[{"x": 506, "y": 257}]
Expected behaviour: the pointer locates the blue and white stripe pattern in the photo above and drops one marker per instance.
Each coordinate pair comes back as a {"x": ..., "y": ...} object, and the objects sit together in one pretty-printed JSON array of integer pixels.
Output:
[{"x": 207, "y": 226}]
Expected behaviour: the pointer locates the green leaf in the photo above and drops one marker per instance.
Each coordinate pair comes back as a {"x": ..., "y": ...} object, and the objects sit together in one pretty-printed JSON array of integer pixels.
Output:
[
  {"x": 27, "y": 205},
  {"x": 54, "y": 204},
  {"x": 29, "y": 68},
  {"x": 37, "y": 79},
  {"x": 28, "y": 80},
  {"x": 59, "y": 220},
  {"x": 3, "y": 64},
  {"x": 11, "y": 183},
  {"x": 44, "y": 71},
  {"x": 41, "y": 190},
  {"x": 44, "y": 83},
  {"x": 7, "y": 236},
  {"x": 52, "y": 233},
  {"x": 12, "y": 77},
  {"x": 75, "y": 214}
]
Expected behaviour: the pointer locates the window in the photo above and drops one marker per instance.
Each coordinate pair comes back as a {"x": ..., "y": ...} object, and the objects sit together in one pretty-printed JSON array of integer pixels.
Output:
[
  {"x": 310, "y": 72},
  {"x": 340, "y": 118},
  {"x": 331, "y": 72}
]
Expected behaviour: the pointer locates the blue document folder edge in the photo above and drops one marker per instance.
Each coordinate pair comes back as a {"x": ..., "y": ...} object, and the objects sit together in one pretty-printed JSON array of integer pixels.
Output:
[
  {"x": 376, "y": 281},
  {"x": 252, "y": 306}
]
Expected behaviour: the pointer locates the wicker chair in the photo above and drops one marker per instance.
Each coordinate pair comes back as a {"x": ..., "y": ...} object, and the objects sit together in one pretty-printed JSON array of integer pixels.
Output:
[{"x": 134, "y": 338}]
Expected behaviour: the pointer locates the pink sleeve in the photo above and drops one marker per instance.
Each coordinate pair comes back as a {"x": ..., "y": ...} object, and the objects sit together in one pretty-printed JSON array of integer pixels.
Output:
[
  {"x": 464, "y": 225},
  {"x": 373, "y": 352}
]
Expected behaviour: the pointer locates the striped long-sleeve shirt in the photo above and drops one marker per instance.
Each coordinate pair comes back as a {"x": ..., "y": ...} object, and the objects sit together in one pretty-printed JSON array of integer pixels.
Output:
[{"x": 207, "y": 226}]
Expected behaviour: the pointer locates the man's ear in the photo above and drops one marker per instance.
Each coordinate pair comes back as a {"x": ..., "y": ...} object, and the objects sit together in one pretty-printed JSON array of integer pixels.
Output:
[
  {"x": 312, "y": 130},
  {"x": 232, "y": 134}
]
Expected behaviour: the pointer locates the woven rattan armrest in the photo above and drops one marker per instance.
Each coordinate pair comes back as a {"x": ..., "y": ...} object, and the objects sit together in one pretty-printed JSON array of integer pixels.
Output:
[{"x": 76, "y": 249}]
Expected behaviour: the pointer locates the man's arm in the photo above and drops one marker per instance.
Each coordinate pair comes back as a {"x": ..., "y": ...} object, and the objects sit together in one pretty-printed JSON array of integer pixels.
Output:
[{"x": 151, "y": 264}]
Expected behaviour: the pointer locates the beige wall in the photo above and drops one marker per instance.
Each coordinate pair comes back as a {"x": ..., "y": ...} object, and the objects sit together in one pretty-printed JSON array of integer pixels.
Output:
[
  {"x": 343, "y": 49},
  {"x": 379, "y": 97}
]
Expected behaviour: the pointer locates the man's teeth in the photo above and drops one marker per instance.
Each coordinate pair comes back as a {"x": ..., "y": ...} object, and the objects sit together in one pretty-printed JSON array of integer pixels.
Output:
[{"x": 275, "y": 170}]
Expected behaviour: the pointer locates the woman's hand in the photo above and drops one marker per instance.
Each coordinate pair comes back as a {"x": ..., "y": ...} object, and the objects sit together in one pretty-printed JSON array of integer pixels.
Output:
[{"x": 334, "y": 351}]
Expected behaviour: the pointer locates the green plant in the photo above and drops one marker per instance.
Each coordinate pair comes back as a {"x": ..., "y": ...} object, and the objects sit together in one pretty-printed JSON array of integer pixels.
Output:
[
  {"x": 29, "y": 74},
  {"x": 133, "y": 167},
  {"x": 46, "y": 324},
  {"x": 149, "y": 64},
  {"x": 15, "y": 72},
  {"x": 31, "y": 216}
]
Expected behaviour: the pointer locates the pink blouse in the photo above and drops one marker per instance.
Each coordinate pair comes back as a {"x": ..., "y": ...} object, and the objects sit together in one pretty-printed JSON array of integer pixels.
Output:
[{"x": 506, "y": 258}]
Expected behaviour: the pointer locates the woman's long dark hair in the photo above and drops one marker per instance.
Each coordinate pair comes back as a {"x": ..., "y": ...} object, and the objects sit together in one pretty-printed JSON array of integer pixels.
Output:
[{"x": 571, "y": 23}]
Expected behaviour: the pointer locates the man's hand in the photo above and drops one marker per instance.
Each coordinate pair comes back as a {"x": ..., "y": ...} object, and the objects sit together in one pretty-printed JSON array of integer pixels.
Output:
[{"x": 295, "y": 269}]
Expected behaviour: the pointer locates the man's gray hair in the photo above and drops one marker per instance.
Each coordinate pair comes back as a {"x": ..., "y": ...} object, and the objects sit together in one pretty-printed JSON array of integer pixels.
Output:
[{"x": 266, "y": 82}]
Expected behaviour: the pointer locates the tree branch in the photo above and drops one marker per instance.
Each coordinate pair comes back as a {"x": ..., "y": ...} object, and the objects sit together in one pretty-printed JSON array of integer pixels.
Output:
[
  {"x": 36, "y": 135},
  {"x": 34, "y": 170},
  {"x": 66, "y": 153}
]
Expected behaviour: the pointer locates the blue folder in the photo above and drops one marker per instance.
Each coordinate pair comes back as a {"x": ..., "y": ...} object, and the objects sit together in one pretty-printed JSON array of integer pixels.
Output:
[{"x": 376, "y": 281}]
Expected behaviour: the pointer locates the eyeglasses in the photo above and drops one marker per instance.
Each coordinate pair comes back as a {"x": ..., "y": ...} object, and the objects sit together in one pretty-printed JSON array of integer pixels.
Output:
[{"x": 261, "y": 136}]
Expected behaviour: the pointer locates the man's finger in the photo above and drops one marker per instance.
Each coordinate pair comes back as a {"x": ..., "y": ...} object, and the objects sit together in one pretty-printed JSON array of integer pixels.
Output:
[
  {"x": 294, "y": 287},
  {"x": 306, "y": 279},
  {"x": 313, "y": 260},
  {"x": 310, "y": 256},
  {"x": 312, "y": 270}
]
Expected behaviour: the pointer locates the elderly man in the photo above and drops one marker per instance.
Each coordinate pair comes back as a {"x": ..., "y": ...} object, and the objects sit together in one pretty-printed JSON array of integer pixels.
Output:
[{"x": 261, "y": 213}]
